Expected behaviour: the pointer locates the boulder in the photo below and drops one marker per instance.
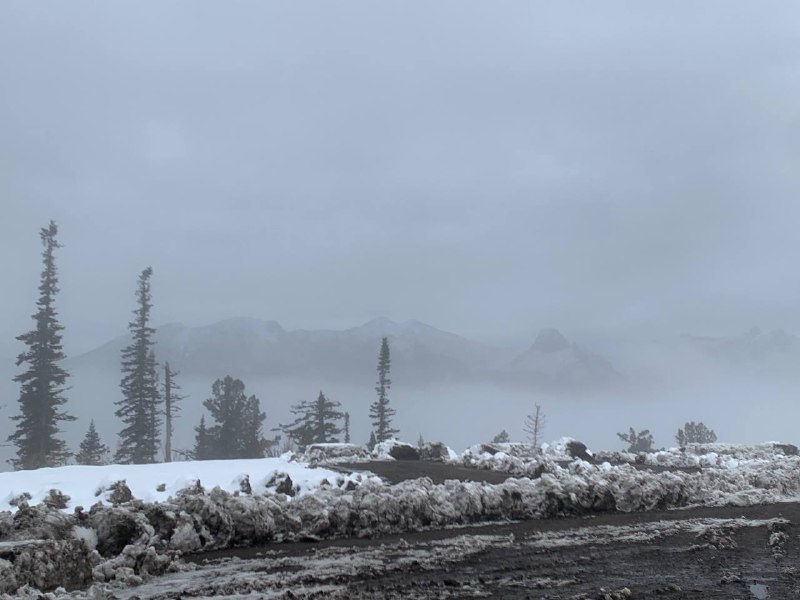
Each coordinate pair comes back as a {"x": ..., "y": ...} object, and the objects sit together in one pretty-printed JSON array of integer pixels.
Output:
[
  {"x": 578, "y": 449},
  {"x": 787, "y": 449},
  {"x": 401, "y": 451}
]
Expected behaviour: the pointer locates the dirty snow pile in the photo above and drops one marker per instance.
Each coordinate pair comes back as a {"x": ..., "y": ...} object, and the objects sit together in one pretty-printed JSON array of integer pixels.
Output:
[
  {"x": 397, "y": 450},
  {"x": 703, "y": 455},
  {"x": 86, "y": 485},
  {"x": 522, "y": 460},
  {"x": 333, "y": 454},
  {"x": 526, "y": 460},
  {"x": 330, "y": 573},
  {"x": 134, "y": 539},
  {"x": 392, "y": 449},
  {"x": 142, "y": 517}
]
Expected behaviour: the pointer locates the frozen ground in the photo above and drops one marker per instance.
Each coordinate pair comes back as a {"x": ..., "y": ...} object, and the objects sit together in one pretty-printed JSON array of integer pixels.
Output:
[
  {"x": 134, "y": 540},
  {"x": 701, "y": 553}
]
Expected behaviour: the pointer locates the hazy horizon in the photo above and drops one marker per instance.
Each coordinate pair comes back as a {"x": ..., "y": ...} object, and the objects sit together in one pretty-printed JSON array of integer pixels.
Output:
[
  {"x": 625, "y": 173},
  {"x": 488, "y": 169}
]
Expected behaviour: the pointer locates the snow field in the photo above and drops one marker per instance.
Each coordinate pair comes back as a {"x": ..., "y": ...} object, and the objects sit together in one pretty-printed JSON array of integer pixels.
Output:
[{"x": 86, "y": 485}]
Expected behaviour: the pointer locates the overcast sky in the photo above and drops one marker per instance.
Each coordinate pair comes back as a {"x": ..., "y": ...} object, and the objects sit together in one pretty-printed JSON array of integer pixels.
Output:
[{"x": 487, "y": 167}]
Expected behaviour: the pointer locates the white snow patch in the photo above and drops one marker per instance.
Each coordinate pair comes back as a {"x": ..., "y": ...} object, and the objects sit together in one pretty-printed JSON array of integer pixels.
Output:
[{"x": 81, "y": 483}]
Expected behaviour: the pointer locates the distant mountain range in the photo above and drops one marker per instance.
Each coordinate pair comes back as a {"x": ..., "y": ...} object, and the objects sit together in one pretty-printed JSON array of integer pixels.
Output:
[
  {"x": 755, "y": 352},
  {"x": 421, "y": 355}
]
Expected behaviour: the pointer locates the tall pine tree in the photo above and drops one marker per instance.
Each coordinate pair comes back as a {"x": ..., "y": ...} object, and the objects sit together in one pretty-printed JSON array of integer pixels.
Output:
[
  {"x": 347, "y": 428},
  {"x": 93, "y": 451},
  {"x": 42, "y": 385},
  {"x": 138, "y": 408},
  {"x": 172, "y": 399},
  {"x": 379, "y": 411}
]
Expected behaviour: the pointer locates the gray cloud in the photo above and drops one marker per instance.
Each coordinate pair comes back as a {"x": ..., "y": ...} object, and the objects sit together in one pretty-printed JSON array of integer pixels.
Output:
[{"x": 487, "y": 167}]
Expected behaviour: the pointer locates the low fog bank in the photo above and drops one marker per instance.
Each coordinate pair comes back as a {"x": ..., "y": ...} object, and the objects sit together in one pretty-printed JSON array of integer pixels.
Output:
[{"x": 741, "y": 408}]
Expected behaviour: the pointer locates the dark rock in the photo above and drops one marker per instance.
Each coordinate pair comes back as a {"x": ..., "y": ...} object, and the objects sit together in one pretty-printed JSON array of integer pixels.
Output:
[
  {"x": 162, "y": 487},
  {"x": 244, "y": 485},
  {"x": 787, "y": 449},
  {"x": 404, "y": 452},
  {"x": 489, "y": 449},
  {"x": 285, "y": 487},
  {"x": 578, "y": 449}
]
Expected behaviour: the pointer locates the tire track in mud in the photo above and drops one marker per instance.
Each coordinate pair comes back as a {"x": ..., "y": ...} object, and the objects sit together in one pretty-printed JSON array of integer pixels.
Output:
[{"x": 700, "y": 552}]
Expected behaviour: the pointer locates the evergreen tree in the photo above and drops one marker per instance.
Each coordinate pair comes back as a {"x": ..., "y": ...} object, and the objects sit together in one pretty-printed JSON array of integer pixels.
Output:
[
  {"x": 501, "y": 438},
  {"x": 372, "y": 441},
  {"x": 637, "y": 442},
  {"x": 93, "y": 451},
  {"x": 239, "y": 421},
  {"x": 315, "y": 422},
  {"x": 347, "y": 428},
  {"x": 534, "y": 426},
  {"x": 325, "y": 416},
  {"x": 301, "y": 430},
  {"x": 420, "y": 441},
  {"x": 138, "y": 408},
  {"x": 380, "y": 411},
  {"x": 172, "y": 399},
  {"x": 695, "y": 433},
  {"x": 42, "y": 385},
  {"x": 202, "y": 444}
]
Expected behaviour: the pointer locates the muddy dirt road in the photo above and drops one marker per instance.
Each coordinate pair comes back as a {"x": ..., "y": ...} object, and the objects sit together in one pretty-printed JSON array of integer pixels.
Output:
[
  {"x": 699, "y": 553},
  {"x": 708, "y": 553},
  {"x": 702, "y": 553}
]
